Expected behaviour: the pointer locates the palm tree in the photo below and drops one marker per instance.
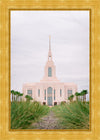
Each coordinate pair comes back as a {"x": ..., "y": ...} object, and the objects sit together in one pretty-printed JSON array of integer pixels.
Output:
[
  {"x": 15, "y": 93},
  {"x": 12, "y": 92},
  {"x": 28, "y": 98},
  {"x": 18, "y": 94},
  {"x": 77, "y": 94},
  {"x": 71, "y": 98},
  {"x": 83, "y": 93},
  {"x": 21, "y": 94}
]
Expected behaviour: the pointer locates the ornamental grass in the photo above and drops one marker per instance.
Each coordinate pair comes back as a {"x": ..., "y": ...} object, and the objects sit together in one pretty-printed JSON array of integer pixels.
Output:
[
  {"x": 74, "y": 115},
  {"x": 25, "y": 113}
]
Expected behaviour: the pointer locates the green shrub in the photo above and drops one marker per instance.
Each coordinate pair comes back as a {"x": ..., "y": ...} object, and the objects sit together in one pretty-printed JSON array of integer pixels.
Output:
[
  {"x": 74, "y": 115},
  {"x": 71, "y": 98},
  {"x": 63, "y": 103},
  {"x": 24, "y": 113},
  {"x": 28, "y": 98}
]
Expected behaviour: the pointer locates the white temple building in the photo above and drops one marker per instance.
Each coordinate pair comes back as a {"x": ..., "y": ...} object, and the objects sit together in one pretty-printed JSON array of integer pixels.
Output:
[{"x": 50, "y": 90}]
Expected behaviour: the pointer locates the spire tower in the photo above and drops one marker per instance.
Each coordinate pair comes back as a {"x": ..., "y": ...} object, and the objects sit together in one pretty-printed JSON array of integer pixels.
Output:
[
  {"x": 49, "y": 43},
  {"x": 50, "y": 69},
  {"x": 49, "y": 53}
]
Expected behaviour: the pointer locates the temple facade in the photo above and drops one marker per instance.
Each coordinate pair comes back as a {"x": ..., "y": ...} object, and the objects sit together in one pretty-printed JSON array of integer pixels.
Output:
[{"x": 50, "y": 90}]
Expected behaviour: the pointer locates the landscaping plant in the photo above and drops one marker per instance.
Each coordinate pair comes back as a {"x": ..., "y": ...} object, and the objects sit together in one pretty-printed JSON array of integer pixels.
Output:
[
  {"x": 25, "y": 113},
  {"x": 74, "y": 115}
]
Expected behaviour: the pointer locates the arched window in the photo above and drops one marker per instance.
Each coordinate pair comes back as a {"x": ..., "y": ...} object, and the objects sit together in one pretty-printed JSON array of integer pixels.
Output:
[
  {"x": 45, "y": 94},
  {"x": 49, "y": 96},
  {"x": 54, "y": 94},
  {"x": 49, "y": 90},
  {"x": 38, "y": 92},
  {"x": 29, "y": 92},
  {"x": 69, "y": 93},
  {"x": 49, "y": 72}
]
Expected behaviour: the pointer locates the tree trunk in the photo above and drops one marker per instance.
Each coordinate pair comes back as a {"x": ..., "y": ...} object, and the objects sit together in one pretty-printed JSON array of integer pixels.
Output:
[
  {"x": 17, "y": 98},
  {"x": 85, "y": 97},
  {"x": 12, "y": 97},
  {"x": 76, "y": 98}
]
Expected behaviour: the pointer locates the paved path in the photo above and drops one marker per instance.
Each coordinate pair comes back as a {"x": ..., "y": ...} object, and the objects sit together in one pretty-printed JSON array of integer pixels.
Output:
[{"x": 50, "y": 121}]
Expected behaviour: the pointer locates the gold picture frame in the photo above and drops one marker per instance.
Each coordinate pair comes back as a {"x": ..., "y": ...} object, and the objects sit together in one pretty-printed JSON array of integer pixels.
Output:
[{"x": 5, "y": 7}]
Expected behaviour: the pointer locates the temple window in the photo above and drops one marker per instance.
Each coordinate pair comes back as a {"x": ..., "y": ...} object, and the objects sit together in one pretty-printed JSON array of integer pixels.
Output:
[
  {"x": 54, "y": 94},
  {"x": 45, "y": 94},
  {"x": 49, "y": 72},
  {"x": 29, "y": 92},
  {"x": 38, "y": 92},
  {"x": 69, "y": 93}
]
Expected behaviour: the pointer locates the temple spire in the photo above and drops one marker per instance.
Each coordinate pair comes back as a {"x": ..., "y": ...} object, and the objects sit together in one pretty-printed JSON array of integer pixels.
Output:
[
  {"x": 49, "y": 43},
  {"x": 49, "y": 53}
]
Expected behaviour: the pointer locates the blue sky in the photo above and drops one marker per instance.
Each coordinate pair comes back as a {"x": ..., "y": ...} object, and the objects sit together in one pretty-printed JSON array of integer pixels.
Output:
[{"x": 30, "y": 32}]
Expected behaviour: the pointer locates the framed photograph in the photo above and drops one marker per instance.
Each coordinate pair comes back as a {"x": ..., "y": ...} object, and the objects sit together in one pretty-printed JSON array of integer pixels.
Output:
[
  {"x": 49, "y": 63},
  {"x": 64, "y": 83}
]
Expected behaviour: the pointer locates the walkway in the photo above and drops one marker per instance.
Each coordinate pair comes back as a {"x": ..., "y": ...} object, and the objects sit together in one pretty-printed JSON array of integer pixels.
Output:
[{"x": 50, "y": 121}]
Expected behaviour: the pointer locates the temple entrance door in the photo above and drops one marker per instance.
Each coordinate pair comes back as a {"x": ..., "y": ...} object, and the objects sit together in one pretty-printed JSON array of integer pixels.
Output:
[{"x": 49, "y": 96}]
